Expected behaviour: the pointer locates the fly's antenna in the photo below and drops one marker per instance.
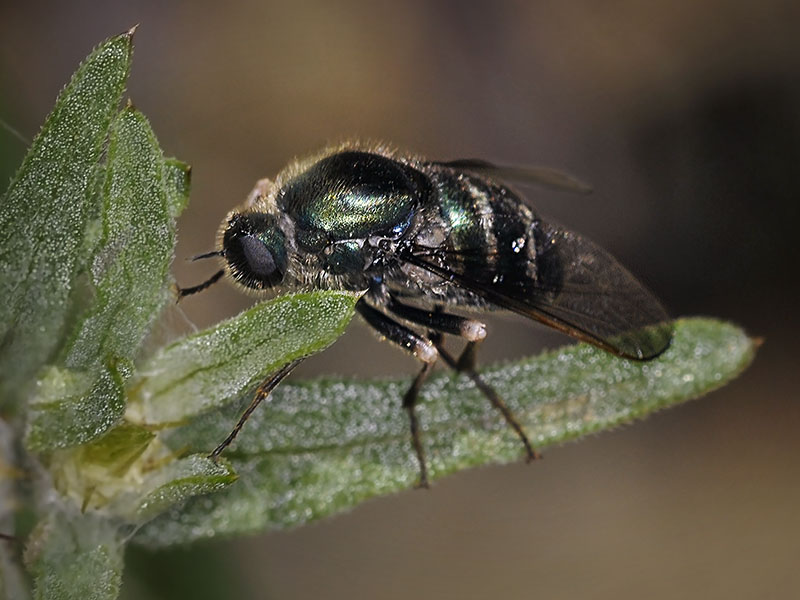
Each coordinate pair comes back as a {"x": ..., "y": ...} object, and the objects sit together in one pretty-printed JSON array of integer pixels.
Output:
[{"x": 183, "y": 292}]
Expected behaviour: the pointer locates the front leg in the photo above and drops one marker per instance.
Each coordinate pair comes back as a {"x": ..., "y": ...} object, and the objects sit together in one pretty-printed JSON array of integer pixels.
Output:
[
  {"x": 420, "y": 347},
  {"x": 262, "y": 392},
  {"x": 409, "y": 340}
]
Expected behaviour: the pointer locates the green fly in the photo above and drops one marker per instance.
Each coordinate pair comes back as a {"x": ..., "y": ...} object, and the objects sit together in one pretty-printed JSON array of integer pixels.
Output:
[{"x": 421, "y": 239}]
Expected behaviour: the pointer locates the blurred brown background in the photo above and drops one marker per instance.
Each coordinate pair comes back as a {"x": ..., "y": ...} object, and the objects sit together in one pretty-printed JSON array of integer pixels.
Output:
[{"x": 685, "y": 117}]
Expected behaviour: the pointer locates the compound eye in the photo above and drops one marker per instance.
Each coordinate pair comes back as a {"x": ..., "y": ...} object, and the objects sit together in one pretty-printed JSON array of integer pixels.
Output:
[
  {"x": 259, "y": 259},
  {"x": 255, "y": 249}
]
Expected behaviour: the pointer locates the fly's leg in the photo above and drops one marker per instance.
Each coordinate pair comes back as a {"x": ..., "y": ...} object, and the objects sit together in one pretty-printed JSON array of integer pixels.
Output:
[
  {"x": 474, "y": 332},
  {"x": 261, "y": 393},
  {"x": 421, "y": 348},
  {"x": 410, "y": 341},
  {"x": 468, "y": 359},
  {"x": 410, "y": 406},
  {"x": 489, "y": 394},
  {"x": 183, "y": 292},
  {"x": 441, "y": 322}
]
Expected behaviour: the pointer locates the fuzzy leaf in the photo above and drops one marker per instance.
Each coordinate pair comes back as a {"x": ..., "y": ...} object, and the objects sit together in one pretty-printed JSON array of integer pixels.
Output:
[
  {"x": 191, "y": 476},
  {"x": 130, "y": 271},
  {"x": 216, "y": 366},
  {"x": 130, "y": 275},
  {"x": 43, "y": 214},
  {"x": 324, "y": 446},
  {"x": 129, "y": 479},
  {"x": 72, "y": 406},
  {"x": 117, "y": 450},
  {"x": 75, "y": 557},
  {"x": 178, "y": 176}
]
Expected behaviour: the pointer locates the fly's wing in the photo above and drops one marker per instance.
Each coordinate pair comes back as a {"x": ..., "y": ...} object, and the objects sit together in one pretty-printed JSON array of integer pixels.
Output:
[
  {"x": 543, "y": 176},
  {"x": 571, "y": 284}
]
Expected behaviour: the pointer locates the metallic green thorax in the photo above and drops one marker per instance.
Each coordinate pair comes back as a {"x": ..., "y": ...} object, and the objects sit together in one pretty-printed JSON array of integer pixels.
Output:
[{"x": 352, "y": 195}]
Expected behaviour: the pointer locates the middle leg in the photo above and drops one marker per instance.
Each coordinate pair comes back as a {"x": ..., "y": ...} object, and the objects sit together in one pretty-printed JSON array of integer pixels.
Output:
[
  {"x": 439, "y": 321},
  {"x": 420, "y": 347}
]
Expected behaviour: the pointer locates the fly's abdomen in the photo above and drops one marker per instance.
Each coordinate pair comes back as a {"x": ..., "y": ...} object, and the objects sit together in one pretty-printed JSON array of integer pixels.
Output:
[{"x": 491, "y": 233}]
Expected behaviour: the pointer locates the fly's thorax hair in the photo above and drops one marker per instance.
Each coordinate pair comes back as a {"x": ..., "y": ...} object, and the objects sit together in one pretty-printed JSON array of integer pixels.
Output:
[
  {"x": 362, "y": 257},
  {"x": 261, "y": 197},
  {"x": 300, "y": 165}
]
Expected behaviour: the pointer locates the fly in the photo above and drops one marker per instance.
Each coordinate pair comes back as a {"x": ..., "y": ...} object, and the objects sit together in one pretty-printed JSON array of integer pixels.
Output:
[{"x": 421, "y": 238}]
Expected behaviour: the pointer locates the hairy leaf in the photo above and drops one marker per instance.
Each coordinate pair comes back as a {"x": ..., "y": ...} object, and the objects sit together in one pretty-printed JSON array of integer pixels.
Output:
[
  {"x": 130, "y": 277},
  {"x": 73, "y": 406},
  {"x": 75, "y": 557},
  {"x": 130, "y": 271},
  {"x": 191, "y": 476},
  {"x": 43, "y": 214},
  {"x": 321, "y": 447},
  {"x": 179, "y": 183},
  {"x": 215, "y": 367}
]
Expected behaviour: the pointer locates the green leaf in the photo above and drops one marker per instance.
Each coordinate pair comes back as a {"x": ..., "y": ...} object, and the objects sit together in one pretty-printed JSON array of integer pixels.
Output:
[
  {"x": 117, "y": 450},
  {"x": 179, "y": 184},
  {"x": 130, "y": 275},
  {"x": 191, "y": 476},
  {"x": 129, "y": 478},
  {"x": 130, "y": 271},
  {"x": 72, "y": 406},
  {"x": 324, "y": 446},
  {"x": 78, "y": 555},
  {"x": 216, "y": 366},
  {"x": 43, "y": 214},
  {"x": 75, "y": 557}
]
